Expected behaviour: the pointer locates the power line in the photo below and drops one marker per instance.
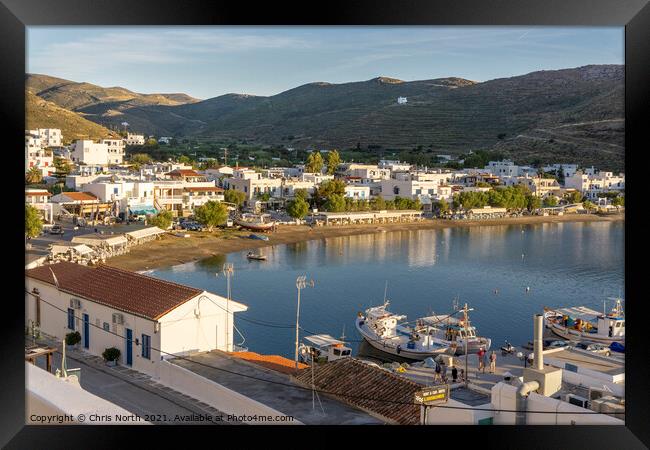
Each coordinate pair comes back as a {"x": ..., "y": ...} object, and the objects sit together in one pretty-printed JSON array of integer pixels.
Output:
[{"x": 294, "y": 386}]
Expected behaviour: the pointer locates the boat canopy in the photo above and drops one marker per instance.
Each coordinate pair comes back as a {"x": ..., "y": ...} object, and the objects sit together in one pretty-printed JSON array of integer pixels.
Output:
[
  {"x": 580, "y": 312},
  {"x": 323, "y": 340}
]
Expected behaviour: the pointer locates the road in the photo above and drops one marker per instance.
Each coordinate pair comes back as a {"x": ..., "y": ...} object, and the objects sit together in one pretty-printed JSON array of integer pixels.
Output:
[{"x": 129, "y": 395}]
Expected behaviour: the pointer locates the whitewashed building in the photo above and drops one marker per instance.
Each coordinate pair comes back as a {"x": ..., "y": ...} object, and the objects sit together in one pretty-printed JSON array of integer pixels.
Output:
[
  {"x": 134, "y": 139},
  {"x": 48, "y": 137},
  {"x": 591, "y": 183},
  {"x": 39, "y": 199},
  {"x": 88, "y": 152},
  {"x": 146, "y": 318}
]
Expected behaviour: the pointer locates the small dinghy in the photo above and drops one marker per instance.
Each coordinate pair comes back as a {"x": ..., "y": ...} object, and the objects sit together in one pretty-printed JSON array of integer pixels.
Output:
[{"x": 256, "y": 256}]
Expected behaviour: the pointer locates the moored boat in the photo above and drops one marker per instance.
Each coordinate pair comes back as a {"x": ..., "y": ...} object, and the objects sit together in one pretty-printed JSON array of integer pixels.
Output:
[
  {"x": 322, "y": 348},
  {"x": 381, "y": 330},
  {"x": 256, "y": 256},
  {"x": 581, "y": 322}
]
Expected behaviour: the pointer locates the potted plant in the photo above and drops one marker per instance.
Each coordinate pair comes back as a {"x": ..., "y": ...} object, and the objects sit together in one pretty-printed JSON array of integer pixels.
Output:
[
  {"x": 72, "y": 339},
  {"x": 111, "y": 355}
]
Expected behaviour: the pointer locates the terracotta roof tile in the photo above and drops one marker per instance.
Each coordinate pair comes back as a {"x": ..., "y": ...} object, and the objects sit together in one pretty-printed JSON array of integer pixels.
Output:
[
  {"x": 275, "y": 362},
  {"x": 120, "y": 289},
  {"x": 379, "y": 391},
  {"x": 80, "y": 196}
]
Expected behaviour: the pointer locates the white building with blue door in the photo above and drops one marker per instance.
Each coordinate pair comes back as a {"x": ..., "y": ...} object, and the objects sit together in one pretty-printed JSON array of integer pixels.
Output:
[{"x": 147, "y": 319}]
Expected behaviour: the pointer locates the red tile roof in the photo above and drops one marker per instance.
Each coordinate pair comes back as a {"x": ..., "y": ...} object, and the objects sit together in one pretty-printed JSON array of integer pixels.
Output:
[
  {"x": 205, "y": 188},
  {"x": 369, "y": 388},
  {"x": 274, "y": 362},
  {"x": 117, "y": 288},
  {"x": 184, "y": 173},
  {"x": 80, "y": 196}
]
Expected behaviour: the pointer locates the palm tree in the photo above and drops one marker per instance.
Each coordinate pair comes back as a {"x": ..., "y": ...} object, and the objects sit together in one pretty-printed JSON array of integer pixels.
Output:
[{"x": 34, "y": 176}]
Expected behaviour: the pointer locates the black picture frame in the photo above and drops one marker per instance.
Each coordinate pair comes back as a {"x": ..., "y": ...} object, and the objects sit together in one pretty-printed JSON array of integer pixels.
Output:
[{"x": 634, "y": 15}]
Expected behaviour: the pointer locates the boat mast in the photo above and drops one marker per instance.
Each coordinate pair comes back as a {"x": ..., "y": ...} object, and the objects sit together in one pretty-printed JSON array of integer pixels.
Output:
[{"x": 466, "y": 341}]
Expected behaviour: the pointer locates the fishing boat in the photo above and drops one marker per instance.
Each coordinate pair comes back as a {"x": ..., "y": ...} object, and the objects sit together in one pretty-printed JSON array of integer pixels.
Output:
[
  {"x": 456, "y": 332},
  {"x": 256, "y": 256},
  {"x": 581, "y": 322},
  {"x": 383, "y": 331},
  {"x": 322, "y": 348},
  {"x": 255, "y": 222}
]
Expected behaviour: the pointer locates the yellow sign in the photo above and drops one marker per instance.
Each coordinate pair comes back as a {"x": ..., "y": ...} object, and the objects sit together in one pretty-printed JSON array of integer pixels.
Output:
[{"x": 433, "y": 395}]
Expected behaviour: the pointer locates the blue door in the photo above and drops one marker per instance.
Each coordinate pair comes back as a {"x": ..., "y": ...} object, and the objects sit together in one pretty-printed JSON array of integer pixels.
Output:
[
  {"x": 129, "y": 347},
  {"x": 86, "y": 320}
]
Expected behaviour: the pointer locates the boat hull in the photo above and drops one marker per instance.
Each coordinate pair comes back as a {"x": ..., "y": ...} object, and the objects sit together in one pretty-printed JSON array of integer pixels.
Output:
[
  {"x": 390, "y": 346},
  {"x": 255, "y": 226},
  {"x": 569, "y": 333}
]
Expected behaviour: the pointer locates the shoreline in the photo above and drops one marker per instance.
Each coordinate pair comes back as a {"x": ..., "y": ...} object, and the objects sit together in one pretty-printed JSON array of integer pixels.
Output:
[{"x": 171, "y": 250}]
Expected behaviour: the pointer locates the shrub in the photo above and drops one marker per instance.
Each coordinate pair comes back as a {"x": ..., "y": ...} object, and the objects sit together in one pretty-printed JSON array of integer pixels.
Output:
[
  {"x": 111, "y": 354},
  {"x": 73, "y": 338}
]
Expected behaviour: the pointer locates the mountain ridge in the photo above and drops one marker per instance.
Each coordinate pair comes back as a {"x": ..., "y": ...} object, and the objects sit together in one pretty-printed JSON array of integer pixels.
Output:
[{"x": 525, "y": 115}]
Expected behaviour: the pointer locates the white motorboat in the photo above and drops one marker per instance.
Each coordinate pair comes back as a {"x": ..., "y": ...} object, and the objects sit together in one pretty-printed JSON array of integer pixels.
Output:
[
  {"x": 581, "y": 322},
  {"x": 323, "y": 348},
  {"x": 381, "y": 329},
  {"x": 457, "y": 332}
]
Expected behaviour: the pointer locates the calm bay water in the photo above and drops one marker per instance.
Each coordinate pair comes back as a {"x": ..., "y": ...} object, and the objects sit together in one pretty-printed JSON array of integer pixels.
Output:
[{"x": 564, "y": 264}]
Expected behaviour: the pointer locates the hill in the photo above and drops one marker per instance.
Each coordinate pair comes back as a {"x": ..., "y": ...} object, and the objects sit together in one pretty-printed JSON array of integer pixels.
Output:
[
  {"x": 561, "y": 115},
  {"x": 43, "y": 114}
]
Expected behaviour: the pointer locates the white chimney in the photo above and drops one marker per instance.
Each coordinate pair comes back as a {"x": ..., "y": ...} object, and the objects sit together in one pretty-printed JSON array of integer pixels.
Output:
[{"x": 538, "y": 348}]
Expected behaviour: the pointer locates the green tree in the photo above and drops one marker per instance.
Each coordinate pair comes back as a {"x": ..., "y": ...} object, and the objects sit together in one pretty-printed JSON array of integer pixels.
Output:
[
  {"x": 301, "y": 193},
  {"x": 588, "y": 205},
  {"x": 550, "y": 201},
  {"x": 442, "y": 206},
  {"x": 34, "y": 176},
  {"x": 327, "y": 189},
  {"x": 335, "y": 203},
  {"x": 314, "y": 162},
  {"x": 298, "y": 208},
  {"x": 573, "y": 197},
  {"x": 333, "y": 161},
  {"x": 618, "y": 201},
  {"x": 162, "y": 220},
  {"x": 378, "y": 204},
  {"x": 183, "y": 159},
  {"x": 560, "y": 176},
  {"x": 264, "y": 196},
  {"x": 211, "y": 214},
  {"x": 533, "y": 202},
  {"x": 33, "y": 222},
  {"x": 62, "y": 167},
  {"x": 234, "y": 196}
]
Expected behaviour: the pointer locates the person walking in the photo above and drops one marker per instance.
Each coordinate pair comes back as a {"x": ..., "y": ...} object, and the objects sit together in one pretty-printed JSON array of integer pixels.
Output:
[
  {"x": 462, "y": 375},
  {"x": 493, "y": 362},
  {"x": 437, "y": 376}
]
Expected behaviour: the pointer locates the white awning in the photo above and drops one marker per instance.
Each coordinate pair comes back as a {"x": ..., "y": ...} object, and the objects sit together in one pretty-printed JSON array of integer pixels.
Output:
[
  {"x": 323, "y": 340},
  {"x": 144, "y": 232},
  {"x": 580, "y": 312}
]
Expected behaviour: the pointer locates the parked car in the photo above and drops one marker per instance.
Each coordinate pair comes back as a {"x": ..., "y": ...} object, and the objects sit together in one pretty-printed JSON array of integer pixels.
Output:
[
  {"x": 594, "y": 348},
  {"x": 56, "y": 229},
  {"x": 555, "y": 343}
]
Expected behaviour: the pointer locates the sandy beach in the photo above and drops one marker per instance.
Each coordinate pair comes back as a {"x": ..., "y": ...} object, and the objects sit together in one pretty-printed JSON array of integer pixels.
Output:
[{"x": 171, "y": 250}]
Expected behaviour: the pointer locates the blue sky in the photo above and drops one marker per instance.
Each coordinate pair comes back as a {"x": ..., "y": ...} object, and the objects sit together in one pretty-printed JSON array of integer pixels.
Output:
[{"x": 209, "y": 61}]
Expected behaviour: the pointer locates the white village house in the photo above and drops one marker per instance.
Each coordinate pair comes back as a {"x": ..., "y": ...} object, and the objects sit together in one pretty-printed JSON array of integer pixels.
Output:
[{"x": 147, "y": 319}]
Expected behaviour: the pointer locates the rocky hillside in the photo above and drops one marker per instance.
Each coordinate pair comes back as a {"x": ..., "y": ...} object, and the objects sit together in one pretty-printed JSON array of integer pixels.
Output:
[{"x": 571, "y": 114}]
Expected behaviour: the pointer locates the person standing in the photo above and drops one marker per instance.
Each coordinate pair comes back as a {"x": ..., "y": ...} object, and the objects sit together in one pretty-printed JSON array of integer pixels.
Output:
[
  {"x": 481, "y": 360},
  {"x": 454, "y": 374},
  {"x": 493, "y": 362},
  {"x": 438, "y": 371}
]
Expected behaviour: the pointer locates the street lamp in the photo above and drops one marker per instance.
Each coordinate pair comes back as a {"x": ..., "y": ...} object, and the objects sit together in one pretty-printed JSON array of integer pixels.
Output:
[
  {"x": 228, "y": 271},
  {"x": 301, "y": 283}
]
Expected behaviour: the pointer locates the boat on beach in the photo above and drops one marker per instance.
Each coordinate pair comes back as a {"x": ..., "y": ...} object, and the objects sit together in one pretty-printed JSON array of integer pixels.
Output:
[
  {"x": 383, "y": 331},
  {"x": 255, "y": 222},
  {"x": 581, "y": 322}
]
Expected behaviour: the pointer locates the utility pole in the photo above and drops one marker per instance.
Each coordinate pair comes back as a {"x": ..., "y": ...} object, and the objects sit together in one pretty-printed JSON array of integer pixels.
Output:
[
  {"x": 301, "y": 283},
  {"x": 228, "y": 270},
  {"x": 466, "y": 341}
]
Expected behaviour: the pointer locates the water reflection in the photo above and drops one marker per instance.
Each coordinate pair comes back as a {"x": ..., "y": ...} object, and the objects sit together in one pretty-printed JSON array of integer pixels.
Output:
[{"x": 563, "y": 264}]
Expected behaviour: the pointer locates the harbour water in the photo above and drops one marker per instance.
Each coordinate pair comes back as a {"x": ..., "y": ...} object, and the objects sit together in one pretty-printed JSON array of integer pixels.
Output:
[{"x": 489, "y": 267}]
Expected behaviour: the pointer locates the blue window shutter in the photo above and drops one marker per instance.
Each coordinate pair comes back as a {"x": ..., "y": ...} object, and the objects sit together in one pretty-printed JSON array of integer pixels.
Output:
[{"x": 71, "y": 319}]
